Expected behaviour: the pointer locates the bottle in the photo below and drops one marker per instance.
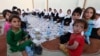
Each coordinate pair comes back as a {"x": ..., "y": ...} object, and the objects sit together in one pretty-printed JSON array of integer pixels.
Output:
[
  {"x": 29, "y": 51},
  {"x": 48, "y": 32},
  {"x": 61, "y": 29}
]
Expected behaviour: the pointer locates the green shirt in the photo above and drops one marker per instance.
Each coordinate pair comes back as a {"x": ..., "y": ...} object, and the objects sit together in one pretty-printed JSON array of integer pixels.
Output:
[{"x": 13, "y": 39}]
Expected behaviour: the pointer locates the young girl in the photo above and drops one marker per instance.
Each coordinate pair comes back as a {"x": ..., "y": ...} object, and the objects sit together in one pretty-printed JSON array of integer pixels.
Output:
[
  {"x": 61, "y": 16},
  {"x": 96, "y": 29},
  {"x": 88, "y": 15},
  {"x": 16, "y": 37},
  {"x": 67, "y": 18},
  {"x": 55, "y": 15},
  {"x": 6, "y": 13},
  {"x": 68, "y": 13},
  {"x": 74, "y": 46}
]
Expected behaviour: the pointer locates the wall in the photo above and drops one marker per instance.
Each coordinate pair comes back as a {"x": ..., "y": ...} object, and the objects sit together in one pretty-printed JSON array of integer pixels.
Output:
[
  {"x": 41, "y": 4},
  {"x": 23, "y": 4},
  {"x": 93, "y": 3},
  {"x": 63, "y": 4}
]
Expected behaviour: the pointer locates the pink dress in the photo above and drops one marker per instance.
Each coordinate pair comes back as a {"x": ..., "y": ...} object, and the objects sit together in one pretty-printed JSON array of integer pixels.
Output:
[{"x": 6, "y": 27}]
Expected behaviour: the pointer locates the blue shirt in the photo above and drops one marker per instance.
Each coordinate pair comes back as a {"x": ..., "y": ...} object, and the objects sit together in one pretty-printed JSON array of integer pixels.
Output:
[{"x": 89, "y": 30}]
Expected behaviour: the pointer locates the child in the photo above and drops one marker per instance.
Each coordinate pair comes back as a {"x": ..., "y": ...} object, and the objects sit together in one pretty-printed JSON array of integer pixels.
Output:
[
  {"x": 23, "y": 19},
  {"x": 75, "y": 15},
  {"x": 67, "y": 18},
  {"x": 55, "y": 15},
  {"x": 16, "y": 37},
  {"x": 96, "y": 29},
  {"x": 61, "y": 16},
  {"x": 68, "y": 13},
  {"x": 45, "y": 14},
  {"x": 88, "y": 15},
  {"x": 14, "y": 8},
  {"x": 74, "y": 46},
  {"x": 6, "y": 13},
  {"x": 50, "y": 13},
  {"x": 2, "y": 22}
]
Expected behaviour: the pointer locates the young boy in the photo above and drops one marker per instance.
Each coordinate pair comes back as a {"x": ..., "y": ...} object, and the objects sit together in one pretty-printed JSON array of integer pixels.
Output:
[
  {"x": 75, "y": 15},
  {"x": 74, "y": 46},
  {"x": 16, "y": 37}
]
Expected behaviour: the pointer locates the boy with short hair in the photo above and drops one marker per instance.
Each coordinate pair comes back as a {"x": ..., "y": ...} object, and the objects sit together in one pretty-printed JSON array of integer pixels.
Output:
[{"x": 74, "y": 46}]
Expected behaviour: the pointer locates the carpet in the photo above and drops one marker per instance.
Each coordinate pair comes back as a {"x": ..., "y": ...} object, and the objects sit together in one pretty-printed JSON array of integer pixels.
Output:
[
  {"x": 94, "y": 47},
  {"x": 3, "y": 47},
  {"x": 51, "y": 45}
]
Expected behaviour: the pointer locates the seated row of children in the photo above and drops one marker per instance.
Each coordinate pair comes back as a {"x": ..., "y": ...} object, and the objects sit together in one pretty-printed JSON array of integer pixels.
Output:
[
  {"x": 55, "y": 15},
  {"x": 81, "y": 31}
]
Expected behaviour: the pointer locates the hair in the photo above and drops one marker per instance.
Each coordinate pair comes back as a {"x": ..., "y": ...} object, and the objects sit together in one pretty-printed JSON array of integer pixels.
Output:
[
  {"x": 14, "y": 16},
  {"x": 13, "y": 8},
  {"x": 5, "y": 12},
  {"x": 50, "y": 9},
  {"x": 77, "y": 10},
  {"x": 19, "y": 9},
  {"x": 15, "y": 13},
  {"x": 94, "y": 12},
  {"x": 82, "y": 21},
  {"x": 98, "y": 14},
  {"x": 69, "y": 10}
]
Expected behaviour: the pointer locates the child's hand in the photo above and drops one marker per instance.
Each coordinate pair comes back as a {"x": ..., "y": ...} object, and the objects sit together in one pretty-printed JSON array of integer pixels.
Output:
[
  {"x": 98, "y": 32},
  {"x": 57, "y": 19},
  {"x": 21, "y": 42},
  {"x": 67, "y": 43},
  {"x": 66, "y": 46},
  {"x": 66, "y": 22},
  {"x": 62, "y": 46},
  {"x": 26, "y": 39},
  {"x": 0, "y": 29}
]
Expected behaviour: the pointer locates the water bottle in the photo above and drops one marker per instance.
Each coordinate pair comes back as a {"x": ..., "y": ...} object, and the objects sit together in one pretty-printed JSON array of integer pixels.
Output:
[
  {"x": 48, "y": 32},
  {"x": 29, "y": 51},
  {"x": 51, "y": 20},
  {"x": 61, "y": 30}
]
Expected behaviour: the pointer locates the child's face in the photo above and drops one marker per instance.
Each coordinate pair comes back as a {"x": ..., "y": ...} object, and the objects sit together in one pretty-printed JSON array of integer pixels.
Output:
[
  {"x": 76, "y": 16},
  {"x": 19, "y": 12},
  {"x": 55, "y": 10},
  {"x": 60, "y": 11},
  {"x": 7, "y": 15},
  {"x": 78, "y": 28},
  {"x": 88, "y": 14},
  {"x": 68, "y": 12},
  {"x": 16, "y": 23},
  {"x": 97, "y": 16}
]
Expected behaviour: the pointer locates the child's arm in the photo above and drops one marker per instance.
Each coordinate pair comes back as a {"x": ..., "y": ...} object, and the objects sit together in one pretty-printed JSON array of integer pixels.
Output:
[
  {"x": 11, "y": 42},
  {"x": 0, "y": 29},
  {"x": 98, "y": 32},
  {"x": 74, "y": 46}
]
